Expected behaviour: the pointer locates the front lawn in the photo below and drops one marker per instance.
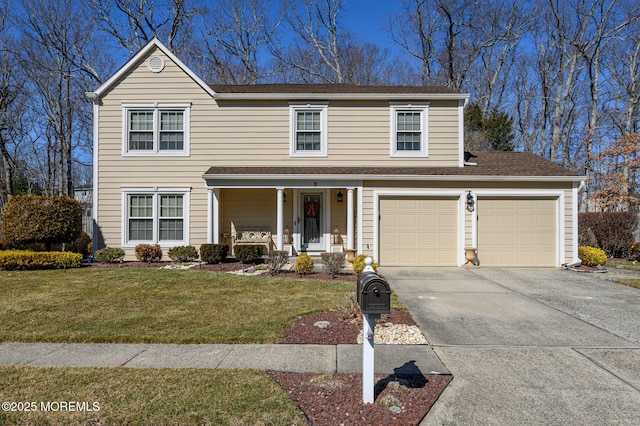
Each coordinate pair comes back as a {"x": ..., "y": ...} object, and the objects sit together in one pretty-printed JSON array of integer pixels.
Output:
[
  {"x": 128, "y": 396},
  {"x": 128, "y": 305}
]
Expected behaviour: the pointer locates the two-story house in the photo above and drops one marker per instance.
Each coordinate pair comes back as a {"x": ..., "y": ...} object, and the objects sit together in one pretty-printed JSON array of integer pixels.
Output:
[{"x": 181, "y": 162}]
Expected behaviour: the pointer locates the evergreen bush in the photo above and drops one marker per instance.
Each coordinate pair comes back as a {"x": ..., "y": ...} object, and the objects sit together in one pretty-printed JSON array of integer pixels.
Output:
[
  {"x": 110, "y": 255},
  {"x": 183, "y": 254},
  {"x": 592, "y": 256},
  {"x": 358, "y": 264},
  {"x": 30, "y": 260},
  {"x": 304, "y": 264},
  {"x": 213, "y": 253},
  {"x": 248, "y": 253}
]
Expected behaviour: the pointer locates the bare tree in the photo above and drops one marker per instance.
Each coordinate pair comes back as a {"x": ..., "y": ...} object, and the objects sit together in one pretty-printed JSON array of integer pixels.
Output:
[
  {"x": 237, "y": 32},
  {"x": 133, "y": 23}
]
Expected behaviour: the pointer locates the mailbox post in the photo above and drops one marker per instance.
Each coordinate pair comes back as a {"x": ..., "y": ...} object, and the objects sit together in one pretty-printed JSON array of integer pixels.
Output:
[{"x": 374, "y": 297}]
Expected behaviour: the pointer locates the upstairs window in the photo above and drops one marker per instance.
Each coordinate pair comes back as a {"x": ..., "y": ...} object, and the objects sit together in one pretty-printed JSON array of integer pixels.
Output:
[
  {"x": 409, "y": 130},
  {"x": 156, "y": 129},
  {"x": 308, "y": 130}
]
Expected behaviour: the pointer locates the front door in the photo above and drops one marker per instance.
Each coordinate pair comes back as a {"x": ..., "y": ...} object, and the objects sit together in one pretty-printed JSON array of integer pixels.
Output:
[{"x": 312, "y": 224}]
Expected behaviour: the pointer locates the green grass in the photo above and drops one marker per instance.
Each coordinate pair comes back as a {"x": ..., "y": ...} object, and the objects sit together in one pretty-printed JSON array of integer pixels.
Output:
[
  {"x": 156, "y": 305},
  {"x": 147, "y": 396}
]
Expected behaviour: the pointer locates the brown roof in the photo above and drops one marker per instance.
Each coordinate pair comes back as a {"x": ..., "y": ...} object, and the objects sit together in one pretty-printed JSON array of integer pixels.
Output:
[
  {"x": 513, "y": 164},
  {"x": 329, "y": 89}
]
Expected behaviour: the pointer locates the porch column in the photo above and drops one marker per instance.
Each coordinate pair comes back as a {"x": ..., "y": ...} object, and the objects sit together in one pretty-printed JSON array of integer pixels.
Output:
[
  {"x": 350, "y": 221},
  {"x": 280, "y": 220},
  {"x": 213, "y": 236}
]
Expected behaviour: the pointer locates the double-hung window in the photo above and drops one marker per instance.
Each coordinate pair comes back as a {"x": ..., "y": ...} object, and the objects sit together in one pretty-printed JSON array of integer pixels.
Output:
[
  {"x": 156, "y": 129},
  {"x": 308, "y": 130},
  {"x": 155, "y": 216},
  {"x": 409, "y": 130}
]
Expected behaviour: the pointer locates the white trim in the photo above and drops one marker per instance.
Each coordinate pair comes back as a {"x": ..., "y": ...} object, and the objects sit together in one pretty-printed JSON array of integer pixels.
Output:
[
  {"x": 157, "y": 107},
  {"x": 360, "y": 202},
  {"x": 185, "y": 192},
  {"x": 523, "y": 193},
  {"x": 298, "y": 215},
  {"x": 461, "y": 104},
  {"x": 423, "y": 108},
  {"x": 574, "y": 213},
  {"x": 96, "y": 146},
  {"x": 322, "y": 108},
  {"x": 460, "y": 194},
  {"x": 154, "y": 43}
]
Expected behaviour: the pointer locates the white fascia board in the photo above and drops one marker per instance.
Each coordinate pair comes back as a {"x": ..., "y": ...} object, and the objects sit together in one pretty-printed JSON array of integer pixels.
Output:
[
  {"x": 143, "y": 52},
  {"x": 341, "y": 96}
]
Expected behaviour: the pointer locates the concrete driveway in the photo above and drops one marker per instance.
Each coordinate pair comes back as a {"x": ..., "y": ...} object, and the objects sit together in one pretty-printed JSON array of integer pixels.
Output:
[{"x": 528, "y": 346}]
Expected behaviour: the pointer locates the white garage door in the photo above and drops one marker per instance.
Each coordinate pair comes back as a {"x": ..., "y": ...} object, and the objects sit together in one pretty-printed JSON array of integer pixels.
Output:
[
  {"x": 517, "y": 232},
  {"x": 418, "y": 231}
]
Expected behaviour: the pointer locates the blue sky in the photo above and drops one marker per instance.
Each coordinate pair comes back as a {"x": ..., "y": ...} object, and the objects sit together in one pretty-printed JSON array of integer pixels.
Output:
[{"x": 367, "y": 17}]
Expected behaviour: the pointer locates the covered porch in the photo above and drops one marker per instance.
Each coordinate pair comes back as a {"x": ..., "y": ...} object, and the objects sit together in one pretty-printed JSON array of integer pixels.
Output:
[{"x": 296, "y": 214}]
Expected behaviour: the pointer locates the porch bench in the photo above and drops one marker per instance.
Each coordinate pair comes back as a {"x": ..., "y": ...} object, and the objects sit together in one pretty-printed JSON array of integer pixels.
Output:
[{"x": 251, "y": 236}]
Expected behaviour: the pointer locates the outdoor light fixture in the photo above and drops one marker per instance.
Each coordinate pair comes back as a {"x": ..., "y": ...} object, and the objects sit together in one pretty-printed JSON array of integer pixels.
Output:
[
  {"x": 471, "y": 204},
  {"x": 339, "y": 196},
  {"x": 284, "y": 196}
]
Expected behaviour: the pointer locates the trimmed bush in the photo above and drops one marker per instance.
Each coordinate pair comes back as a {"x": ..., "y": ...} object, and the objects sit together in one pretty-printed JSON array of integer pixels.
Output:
[
  {"x": 592, "y": 256},
  {"x": 277, "y": 259},
  {"x": 609, "y": 231},
  {"x": 358, "y": 264},
  {"x": 304, "y": 264},
  {"x": 30, "y": 260},
  {"x": 213, "y": 253},
  {"x": 248, "y": 253},
  {"x": 110, "y": 255},
  {"x": 148, "y": 253},
  {"x": 332, "y": 263},
  {"x": 81, "y": 245},
  {"x": 39, "y": 219},
  {"x": 183, "y": 254}
]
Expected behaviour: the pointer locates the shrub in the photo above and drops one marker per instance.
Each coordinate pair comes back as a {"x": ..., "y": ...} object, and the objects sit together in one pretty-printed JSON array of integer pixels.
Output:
[
  {"x": 358, "y": 264},
  {"x": 592, "y": 256},
  {"x": 332, "y": 263},
  {"x": 81, "y": 245},
  {"x": 148, "y": 252},
  {"x": 40, "y": 219},
  {"x": 277, "y": 259},
  {"x": 610, "y": 231},
  {"x": 31, "y": 260},
  {"x": 110, "y": 255},
  {"x": 634, "y": 251},
  {"x": 183, "y": 253},
  {"x": 304, "y": 264},
  {"x": 248, "y": 253},
  {"x": 213, "y": 253}
]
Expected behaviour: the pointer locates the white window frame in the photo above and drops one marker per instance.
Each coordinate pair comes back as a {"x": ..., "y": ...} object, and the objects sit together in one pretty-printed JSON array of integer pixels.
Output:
[
  {"x": 157, "y": 108},
  {"x": 423, "y": 108},
  {"x": 295, "y": 108},
  {"x": 156, "y": 193}
]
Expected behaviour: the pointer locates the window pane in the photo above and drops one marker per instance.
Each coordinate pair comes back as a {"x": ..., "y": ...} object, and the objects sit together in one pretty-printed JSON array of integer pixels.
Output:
[
  {"x": 307, "y": 141},
  {"x": 408, "y": 121},
  {"x": 171, "y": 130},
  {"x": 171, "y": 206},
  {"x": 308, "y": 120},
  {"x": 140, "y": 229},
  {"x": 141, "y": 120},
  {"x": 408, "y": 141},
  {"x": 171, "y": 229},
  {"x": 171, "y": 120},
  {"x": 141, "y": 206}
]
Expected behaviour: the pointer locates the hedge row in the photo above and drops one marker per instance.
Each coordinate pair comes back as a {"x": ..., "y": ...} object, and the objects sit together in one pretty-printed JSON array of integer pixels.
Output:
[{"x": 31, "y": 260}]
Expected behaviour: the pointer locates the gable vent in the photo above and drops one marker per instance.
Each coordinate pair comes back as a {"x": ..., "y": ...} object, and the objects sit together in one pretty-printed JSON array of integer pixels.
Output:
[{"x": 156, "y": 64}]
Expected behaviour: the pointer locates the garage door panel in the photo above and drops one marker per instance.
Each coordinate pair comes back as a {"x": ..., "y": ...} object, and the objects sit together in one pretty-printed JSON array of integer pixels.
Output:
[
  {"x": 517, "y": 232},
  {"x": 418, "y": 231}
]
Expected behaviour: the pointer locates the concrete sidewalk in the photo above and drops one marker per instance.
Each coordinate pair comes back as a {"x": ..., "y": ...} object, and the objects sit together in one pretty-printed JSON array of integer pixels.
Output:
[
  {"x": 528, "y": 346},
  {"x": 389, "y": 359}
]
